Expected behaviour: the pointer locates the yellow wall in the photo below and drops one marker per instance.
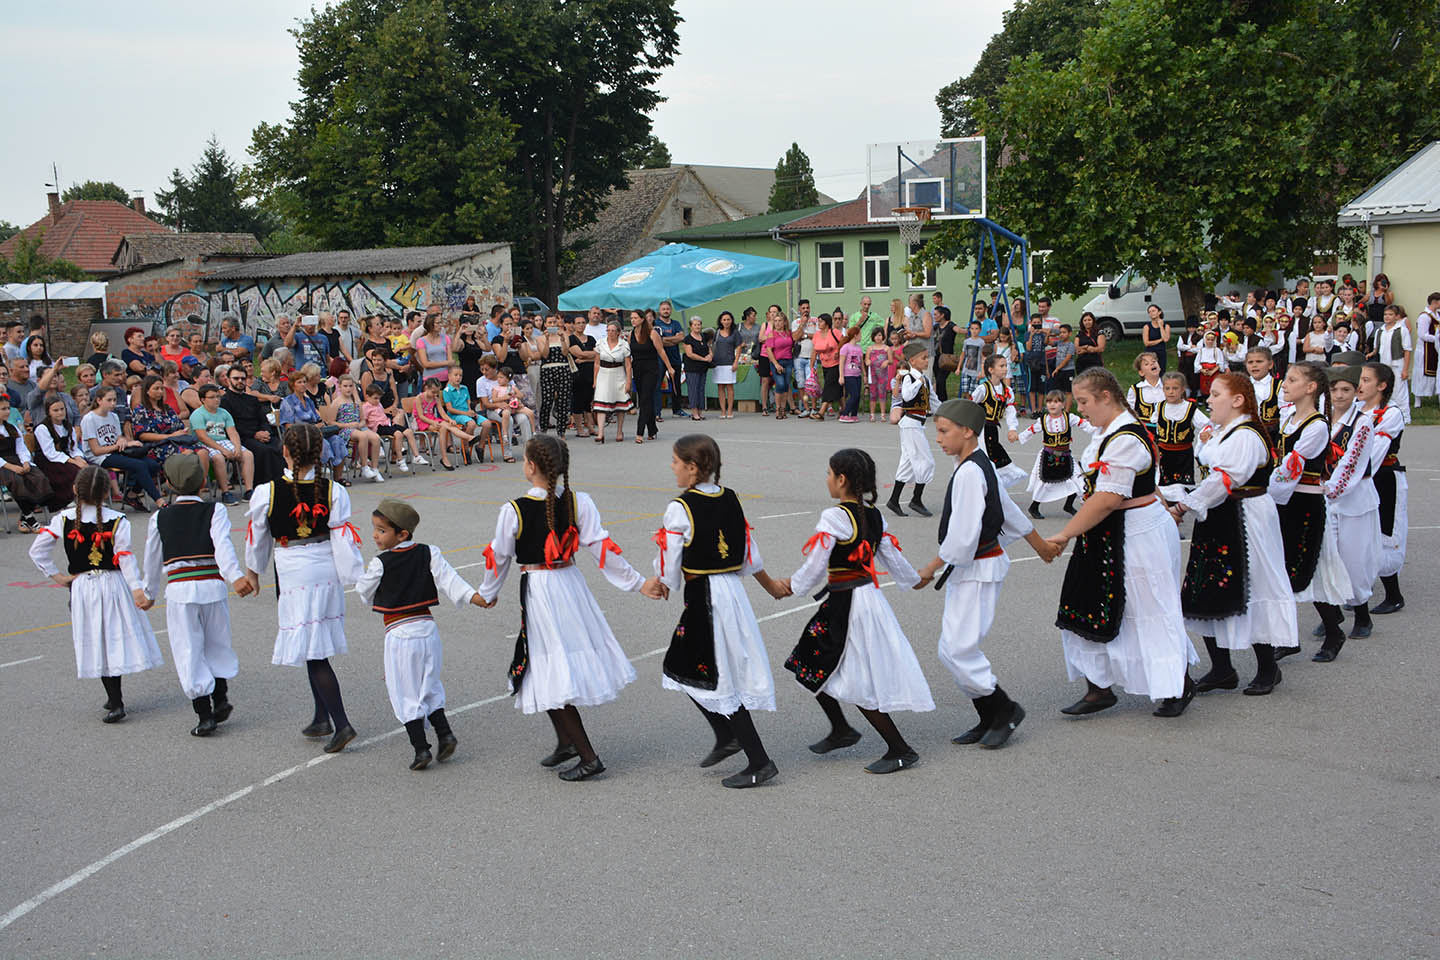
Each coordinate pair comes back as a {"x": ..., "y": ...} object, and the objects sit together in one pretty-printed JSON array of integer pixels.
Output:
[{"x": 1412, "y": 262}]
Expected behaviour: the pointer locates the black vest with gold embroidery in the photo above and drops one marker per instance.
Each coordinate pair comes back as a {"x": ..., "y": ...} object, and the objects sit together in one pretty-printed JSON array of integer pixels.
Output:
[
  {"x": 1144, "y": 484},
  {"x": 534, "y": 529},
  {"x": 1143, "y": 410},
  {"x": 994, "y": 403},
  {"x": 1269, "y": 406},
  {"x": 300, "y": 511},
  {"x": 185, "y": 531},
  {"x": 407, "y": 587},
  {"x": 1056, "y": 440},
  {"x": 919, "y": 406},
  {"x": 1176, "y": 434},
  {"x": 1258, "y": 481},
  {"x": 717, "y": 532},
  {"x": 90, "y": 546},
  {"x": 846, "y": 558},
  {"x": 1317, "y": 468}
]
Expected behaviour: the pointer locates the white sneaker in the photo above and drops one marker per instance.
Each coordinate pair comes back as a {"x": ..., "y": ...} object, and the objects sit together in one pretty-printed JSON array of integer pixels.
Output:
[
  {"x": 403, "y": 464},
  {"x": 420, "y": 461},
  {"x": 368, "y": 472},
  {"x": 379, "y": 477}
]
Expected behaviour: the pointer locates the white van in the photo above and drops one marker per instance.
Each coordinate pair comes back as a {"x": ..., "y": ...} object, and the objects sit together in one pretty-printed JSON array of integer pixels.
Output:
[{"x": 1123, "y": 307}]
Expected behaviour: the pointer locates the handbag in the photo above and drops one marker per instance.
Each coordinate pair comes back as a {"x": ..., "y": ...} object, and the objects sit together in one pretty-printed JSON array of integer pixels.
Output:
[{"x": 948, "y": 361}]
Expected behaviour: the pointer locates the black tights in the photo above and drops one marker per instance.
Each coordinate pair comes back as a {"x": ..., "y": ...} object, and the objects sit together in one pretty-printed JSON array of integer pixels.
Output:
[
  {"x": 740, "y": 728},
  {"x": 1331, "y": 617},
  {"x": 570, "y": 730},
  {"x": 112, "y": 693},
  {"x": 415, "y": 729},
  {"x": 882, "y": 723},
  {"x": 326, "y": 690}
]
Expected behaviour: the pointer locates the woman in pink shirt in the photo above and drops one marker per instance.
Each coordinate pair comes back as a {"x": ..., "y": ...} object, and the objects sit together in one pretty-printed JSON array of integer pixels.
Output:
[
  {"x": 827, "y": 357},
  {"x": 780, "y": 348}
]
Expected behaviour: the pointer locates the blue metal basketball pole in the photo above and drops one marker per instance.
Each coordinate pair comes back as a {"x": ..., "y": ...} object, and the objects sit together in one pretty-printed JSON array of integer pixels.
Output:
[{"x": 989, "y": 230}]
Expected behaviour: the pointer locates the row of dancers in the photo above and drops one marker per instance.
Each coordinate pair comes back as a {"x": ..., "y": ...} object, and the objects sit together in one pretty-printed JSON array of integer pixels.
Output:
[{"x": 1124, "y": 607}]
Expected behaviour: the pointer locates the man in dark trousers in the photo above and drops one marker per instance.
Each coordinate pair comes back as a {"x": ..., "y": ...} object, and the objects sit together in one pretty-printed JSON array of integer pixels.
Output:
[{"x": 257, "y": 434}]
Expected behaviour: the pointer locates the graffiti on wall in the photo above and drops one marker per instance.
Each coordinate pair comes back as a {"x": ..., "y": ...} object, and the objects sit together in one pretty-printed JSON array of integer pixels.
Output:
[{"x": 257, "y": 305}]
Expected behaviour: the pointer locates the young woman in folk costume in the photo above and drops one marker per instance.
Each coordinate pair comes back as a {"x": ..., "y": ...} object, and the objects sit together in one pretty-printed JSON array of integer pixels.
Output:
[
  {"x": 999, "y": 402},
  {"x": 1119, "y": 615},
  {"x": 1178, "y": 423},
  {"x": 565, "y": 655},
  {"x": 303, "y": 520},
  {"x": 1350, "y": 494},
  {"x": 112, "y": 637},
  {"x": 717, "y": 656},
  {"x": 1391, "y": 484},
  {"x": 1055, "y": 475},
  {"x": 853, "y": 649},
  {"x": 1236, "y": 594},
  {"x": 1297, "y": 485}
]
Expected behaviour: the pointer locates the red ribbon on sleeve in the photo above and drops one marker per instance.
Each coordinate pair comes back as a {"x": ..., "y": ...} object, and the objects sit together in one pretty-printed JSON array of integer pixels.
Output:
[
  {"x": 1294, "y": 464},
  {"x": 1224, "y": 478},
  {"x": 821, "y": 538},
  {"x": 662, "y": 540},
  {"x": 489, "y": 556},
  {"x": 608, "y": 546},
  {"x": 350, "y": 529},
  {"x": 748, "y": 530},
  {"x": 893, "y": 542},
  {"x": 1100, "y": 465}
]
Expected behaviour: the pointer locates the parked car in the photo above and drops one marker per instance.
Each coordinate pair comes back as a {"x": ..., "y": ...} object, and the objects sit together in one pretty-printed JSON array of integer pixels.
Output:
[{"x": 529, "y": 305}]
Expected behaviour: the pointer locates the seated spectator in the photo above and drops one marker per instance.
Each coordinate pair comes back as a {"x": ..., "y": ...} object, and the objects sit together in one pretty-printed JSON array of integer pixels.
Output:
[
  {"x": 48, "y": 380},
  {"x": 103, "y": 443},
  {"x": 26, "y": 482},
  {"x": 174, "y": 386},
  {"x": 157, "y": 424},
  {"x": 301, "y": 407},
  {"x": 135, "y": 358},
  {"x": 196, "y": 377},
  {"x": 238, "y": 344},
  {"x": 59, "y": 445},
  {"x": 198, "y": 350},
  {"x": 311, "y": 346},
  {"x": 21, "y": 384},
  {"x": 174, "y": 348},
  {"x": 282, "y": 338},
  {"x": 258, "y": 434},
  {"x": 214, "y": 428}
]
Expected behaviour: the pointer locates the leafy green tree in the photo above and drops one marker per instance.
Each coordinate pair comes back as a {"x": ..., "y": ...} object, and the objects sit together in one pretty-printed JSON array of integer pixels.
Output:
[
  {"x": 7, "y": 230},
  {"x": 210, "y": 200},
  {"x": 1197, "y": 139},
  {"x": 649, "y": 155},
  {"x": 422, "y": 121},
  {"x": 96, "y": 190},
  {"x": 794, "y": 187},
  {"x": 1050, "y": 28},
  {"x": 28, "y": 265}
]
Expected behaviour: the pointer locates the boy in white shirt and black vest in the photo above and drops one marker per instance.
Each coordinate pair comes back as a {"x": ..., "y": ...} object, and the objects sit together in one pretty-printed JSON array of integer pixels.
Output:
[
  {"x": 188, "y": 552},
  {"x": 1258, "y": 364},
  {"x": 914, "y": 401},
  {"x": 402, "y": 583}
]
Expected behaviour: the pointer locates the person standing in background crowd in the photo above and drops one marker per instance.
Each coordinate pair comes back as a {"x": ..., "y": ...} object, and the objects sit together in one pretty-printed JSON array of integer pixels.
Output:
[
  {"x": 1089, "y": 344},
  {"x": 852, "y": 368},
  {"x": 1156, "y": 335},
  {"x": 866, "y": 320},
  {"x": 671, "y": 335},
  {"x": 725, "y": 349},
  {"x": 698, "y": 357},
  {"x": 239, "y": 344},
  {"x": 804, "y": 329},
  {"x": 582, "y": 382},
  {"x": 943, "y": 343},
  {"x": 780, "y": 348},
  {"x": 1427, "y": 331}
]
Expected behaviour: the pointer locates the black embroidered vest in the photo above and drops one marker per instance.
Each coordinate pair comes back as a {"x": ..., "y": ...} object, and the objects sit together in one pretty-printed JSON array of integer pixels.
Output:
[
  {"x": 919, "y": 406},
  {"x": 90, "y": 546},
  {"x": 1143, "y": 410},
  {"x": 1176, "y": 434},
  {"x": 300, "y": 511},
  {"x": 992, "y": 518},
  {"x": 406, "y": 585},
  {"x": 847, "y": 558},
  {"x": 717, "y": 532},
  {"x": 1055, "y": 439},
  {"x": 185, "y": 531},
  {"x": 1316, "y": 469},
  {"x": 1144, "y": 484},
  {"x": 534, "y": 530},
  {"x": 9, "y": 437},
  {"x": 1258, "y": 481},
  {"x": 1269, "y": 406},
  {"x": 994, "y": 403}
]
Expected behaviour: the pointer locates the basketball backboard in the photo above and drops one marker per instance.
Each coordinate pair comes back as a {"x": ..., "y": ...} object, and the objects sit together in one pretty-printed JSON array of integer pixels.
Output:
[{"x": 948, "y": 176}]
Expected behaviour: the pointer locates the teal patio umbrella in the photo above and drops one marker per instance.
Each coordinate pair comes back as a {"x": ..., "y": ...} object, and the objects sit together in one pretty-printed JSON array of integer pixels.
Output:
[{"x": 686, "y": 276}]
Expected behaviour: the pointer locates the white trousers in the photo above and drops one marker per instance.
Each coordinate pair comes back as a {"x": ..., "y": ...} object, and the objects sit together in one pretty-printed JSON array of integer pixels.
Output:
[
  {"x": 200, "y": 643},
  {"x": 412, "y": 669},
  {"x": 969, "y": 612},
  {"x": 917, "y": 463}
]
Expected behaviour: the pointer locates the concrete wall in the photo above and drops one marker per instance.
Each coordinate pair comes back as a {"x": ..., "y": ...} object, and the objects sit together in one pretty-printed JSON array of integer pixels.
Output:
[
  {"x": 69, "y": 322},
  {"x": 148, "y": 297},
  {"x": 1412, "y": 262}
]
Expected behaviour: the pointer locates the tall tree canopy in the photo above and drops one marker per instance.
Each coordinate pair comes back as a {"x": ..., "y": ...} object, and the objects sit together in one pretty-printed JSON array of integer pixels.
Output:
[
  {"x": 794, "y": 187},
  {"x": 447, "y": 121},
  {"x": 96, "y": 190},
  {"x": 651, "y": 154},
  {"x": 1202, "y": 138},
  {"x": 210, "y": 200}
]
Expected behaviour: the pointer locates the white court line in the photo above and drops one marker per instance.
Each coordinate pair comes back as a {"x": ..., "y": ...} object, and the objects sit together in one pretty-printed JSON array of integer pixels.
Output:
[
  {"x": 16, "y": 663},
  {"x": 777, "y": 516}
]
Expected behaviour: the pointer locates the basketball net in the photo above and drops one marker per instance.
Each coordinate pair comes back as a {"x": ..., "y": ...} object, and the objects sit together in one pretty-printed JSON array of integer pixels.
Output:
[{"x": 912, "y": 221}]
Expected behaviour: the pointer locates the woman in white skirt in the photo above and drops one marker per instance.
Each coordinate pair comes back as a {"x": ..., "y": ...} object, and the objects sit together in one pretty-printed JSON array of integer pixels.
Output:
[
  {"x": 612, "y": 382},
  {"x": 565, "y": 655},
  {"x": 1236, "y": 593},
  {"x": 853, "y": 649},
  {"x": 1056, "y": 475},
  {"x": 717, "y": 656},
  {"x": 994, "y": 394},
  {"x": 304, "y": 521},
  {"x": 112, "y": 636},
  {"x": 1119, "y": 614},
  {"x": 1312, "y": 545},
  {"x": 1377, "y": 381},
  {"x": 1350, "y": 492}
]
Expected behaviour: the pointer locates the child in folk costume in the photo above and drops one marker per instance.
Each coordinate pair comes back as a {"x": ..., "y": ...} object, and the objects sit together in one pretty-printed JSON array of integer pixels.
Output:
[
  {"x": 1148, "y": 393},
  {"x": 402, "y": 583},
  {"x": 998, "y": 402},
  {"x": 1178, "y": 423},
  {"x": 1394, "y": 348},
  {"x": 1297, "y": 485},
  {"x": 717, "y": 656},
  {"x": 977, "y": 520},
  {"x": 853, "y": 649},
  {"x": 304, "y": 522},
  {"x": 1350, "y": 492},
  {"x": 914, "y": 400},
  {"x": 1423, "y": 381},
  {"x": 112, "y": 637},
  {"x": 1210, "y": 361},
  {"x": 1391, "y": 484},
  {"x": 1055, "y": 475},
  {"x": 1119, "y": 614},
  {"x": 565, "y": 655},
  {"x": 1236, "y": 594},
  {"x": 1266, "y": 386},
  {"x": 27, "y": 483},
  {"x": 189, "y": 555}
]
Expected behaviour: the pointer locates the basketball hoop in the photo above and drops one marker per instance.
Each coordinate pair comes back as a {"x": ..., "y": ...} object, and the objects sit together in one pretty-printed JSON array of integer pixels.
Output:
[{"x": 912, "y": 221}]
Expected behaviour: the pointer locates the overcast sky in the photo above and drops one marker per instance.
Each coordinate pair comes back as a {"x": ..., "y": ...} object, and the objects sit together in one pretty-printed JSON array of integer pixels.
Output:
[{"x": 127, "y": 92}]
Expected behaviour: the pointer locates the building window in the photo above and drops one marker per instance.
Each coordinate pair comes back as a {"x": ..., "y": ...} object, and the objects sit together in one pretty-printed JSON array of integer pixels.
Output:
[
  {"x": 831, "y": 268},
  {"x": 927, "y": 282},
  {"x": 687, "y": 215},
  {"x": 875, "y": 262}
]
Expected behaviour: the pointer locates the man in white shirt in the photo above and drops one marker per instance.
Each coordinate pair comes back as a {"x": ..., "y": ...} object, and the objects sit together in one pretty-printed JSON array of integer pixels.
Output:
[
  {"x": 594, "y": 325},
  {"x": 1393, "y": 347},
  {"x": 496, "y": 410}
]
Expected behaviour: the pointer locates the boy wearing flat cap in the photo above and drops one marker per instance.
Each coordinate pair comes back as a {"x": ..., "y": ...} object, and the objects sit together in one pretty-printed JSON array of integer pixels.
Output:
[
  {"x": 402, "y": 584},
  {"x": 976, "y": 520},
  {"x": 914, "y": 401},
  {"x": 188, "y": 551}
]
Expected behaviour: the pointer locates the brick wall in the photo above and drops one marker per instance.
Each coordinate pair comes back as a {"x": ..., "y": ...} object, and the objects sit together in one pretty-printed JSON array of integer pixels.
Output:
[
  {"x": 69, "y": 322},
  {"x": 143, "y": 294}
]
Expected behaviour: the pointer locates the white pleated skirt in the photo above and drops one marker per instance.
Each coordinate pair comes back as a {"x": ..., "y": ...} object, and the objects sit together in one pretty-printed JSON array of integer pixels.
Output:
[
  {"x": 1042, "y": 491},
  {"x": 878, "y": 669},
  {"x": 1360, "y": 551},
  {"x": 1269, "y": 615},
  {"x": 112, "y": 636},
  {"x": 740, "y": 659},
  {"x": 312, "y": 605},
  {"x": 1150, "y": 654},
  {"x": 1392, "y": 548},
  {"x": 1331, "y": 582},
  {"x": 413, "y": 658},
  {"x": 574, "y": 657},
  {"x": 1008, "y": 475}
]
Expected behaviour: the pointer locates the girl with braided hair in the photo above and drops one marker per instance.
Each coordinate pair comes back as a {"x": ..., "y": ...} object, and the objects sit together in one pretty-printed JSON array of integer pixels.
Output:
[
  {"x": 304, "y": 521},
  {"x": 565, "y": 655},
  {"x": 112, "y": 637},
  {"x": 854, "y": 649}
]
